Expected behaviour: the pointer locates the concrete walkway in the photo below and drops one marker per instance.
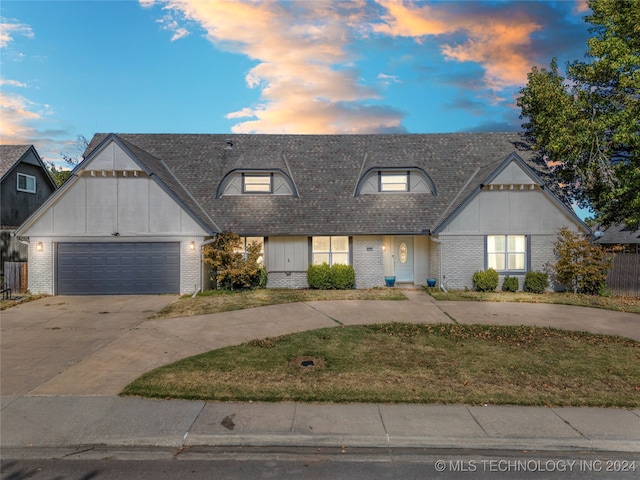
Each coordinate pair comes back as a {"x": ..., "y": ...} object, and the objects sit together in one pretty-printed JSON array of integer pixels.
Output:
[{"x": 65, "y": 359}]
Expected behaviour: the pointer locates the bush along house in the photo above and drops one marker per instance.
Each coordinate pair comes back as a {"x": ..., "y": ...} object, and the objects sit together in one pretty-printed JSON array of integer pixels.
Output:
[{"x": 135, "y": 214}]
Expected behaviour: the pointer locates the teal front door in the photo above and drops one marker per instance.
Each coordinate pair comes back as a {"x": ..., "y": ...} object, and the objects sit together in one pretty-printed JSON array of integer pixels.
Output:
[{"x": 403, "y": 259}]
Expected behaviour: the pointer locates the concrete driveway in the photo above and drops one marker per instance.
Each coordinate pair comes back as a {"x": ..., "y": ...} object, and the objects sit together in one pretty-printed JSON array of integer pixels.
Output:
[
  {"x": 98, "y": 345},
  {"x": 44, "y": 338}
]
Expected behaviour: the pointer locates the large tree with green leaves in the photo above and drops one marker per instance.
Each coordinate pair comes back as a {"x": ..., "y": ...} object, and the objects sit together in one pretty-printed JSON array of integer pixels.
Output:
[{"x": 587, "y": 124}]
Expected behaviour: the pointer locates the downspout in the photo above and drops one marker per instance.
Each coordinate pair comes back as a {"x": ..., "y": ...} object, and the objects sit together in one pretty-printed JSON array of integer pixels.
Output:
[{"x": 439, "y": 242}]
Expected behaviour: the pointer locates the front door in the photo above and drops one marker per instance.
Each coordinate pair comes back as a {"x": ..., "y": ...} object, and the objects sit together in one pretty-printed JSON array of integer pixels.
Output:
[{"x": 403, "y": 259}]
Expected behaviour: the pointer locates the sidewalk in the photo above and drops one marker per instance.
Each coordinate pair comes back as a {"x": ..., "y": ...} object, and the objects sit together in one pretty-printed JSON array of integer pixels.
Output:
[
  {"x": 79, "y": 422},
  {"x": 72, "y": 401}
]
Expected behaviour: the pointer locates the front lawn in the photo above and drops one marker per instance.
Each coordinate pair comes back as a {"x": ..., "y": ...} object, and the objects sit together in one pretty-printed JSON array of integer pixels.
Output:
[
  {"x": 619, "y": 304},
  {"x": 215, "y": 301},
  {"x": 411, "y": 363}
]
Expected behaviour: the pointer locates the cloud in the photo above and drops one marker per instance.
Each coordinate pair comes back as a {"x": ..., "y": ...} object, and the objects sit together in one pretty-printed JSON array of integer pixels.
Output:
[
  {"x": 18, "y": 115},
  {"x": 388, "y": 79},
  {"x": 498, "y": 39},
  {"x": 12, "y": 83},
  {"x": 9, "y": 28},
  {"x": 304, "y": 73}
]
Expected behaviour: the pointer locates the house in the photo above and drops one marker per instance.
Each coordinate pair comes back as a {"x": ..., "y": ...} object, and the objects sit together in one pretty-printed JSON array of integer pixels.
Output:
[
  {"x": 619, "y": 238},
  {"x": 137, "y": 210},
  {"x": 24, "y": 186}
]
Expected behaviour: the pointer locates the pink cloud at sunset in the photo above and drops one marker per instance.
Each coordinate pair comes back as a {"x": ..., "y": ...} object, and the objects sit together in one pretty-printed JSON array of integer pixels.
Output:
[
  {"x": 497, "y": 41},
  {"x": 304, "y": 73}
]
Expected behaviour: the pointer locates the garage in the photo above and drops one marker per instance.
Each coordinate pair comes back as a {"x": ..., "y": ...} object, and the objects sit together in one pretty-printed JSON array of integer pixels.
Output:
[{"x": 110, "y": 268}]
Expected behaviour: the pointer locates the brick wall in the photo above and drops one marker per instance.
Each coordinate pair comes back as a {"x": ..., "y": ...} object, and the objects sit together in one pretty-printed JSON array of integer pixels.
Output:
[
  {"x": 542, "y": 253},
  {"x": 190, "y": 279},
  {"x": 40, "y": 267},
  {"x": 282, "y": 280},
  {"x": 462, "y": 256},
  {"x": 368, "y": 261}
]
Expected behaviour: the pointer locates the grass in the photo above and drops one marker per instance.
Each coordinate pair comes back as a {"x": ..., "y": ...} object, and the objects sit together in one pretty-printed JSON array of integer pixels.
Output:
[
  {"x": 18, "y": 299},
  {"x": 412, "y": 363},
  {"x": 215, "y": 301},
  {"x": 619, "y": 304}
]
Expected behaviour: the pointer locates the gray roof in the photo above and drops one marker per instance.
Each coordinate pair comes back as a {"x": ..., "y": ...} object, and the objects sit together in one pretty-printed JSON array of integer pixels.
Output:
[
  {"x": 10, "y": 155},
  {"x": 618, "y": 235},
  {"x": 325, "y": 170}
]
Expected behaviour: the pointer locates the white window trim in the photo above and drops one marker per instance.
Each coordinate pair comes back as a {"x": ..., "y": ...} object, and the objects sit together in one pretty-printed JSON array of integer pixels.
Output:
[
  {"x": 527, "y": 250},
  {"x": 331, "y": 252},
  {"x": 266, "y": 176},
  {"x": 381, "y": 185},
  {"x": 26, "y": 176}
]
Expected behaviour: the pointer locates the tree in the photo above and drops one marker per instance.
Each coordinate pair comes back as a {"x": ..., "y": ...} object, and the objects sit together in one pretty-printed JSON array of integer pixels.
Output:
[
  {"x": 581, "y": 266},
  {"x": 60, "y": 174},
  {"x": 587, "y": 124},
  {"x": 233, "y": 269}
]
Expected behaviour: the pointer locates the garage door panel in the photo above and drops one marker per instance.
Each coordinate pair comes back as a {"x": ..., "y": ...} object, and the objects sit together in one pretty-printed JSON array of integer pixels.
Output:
[{"x": 118, "y": 268}]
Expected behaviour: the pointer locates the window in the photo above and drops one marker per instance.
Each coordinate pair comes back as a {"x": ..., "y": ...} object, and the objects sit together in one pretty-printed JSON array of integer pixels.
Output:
[
  {"x": 506, "y": 253},
  {"x": 248, "y": 241},
  {"x": 394, "y": 182},
  {"x": 26, "y": 183},
  {"x": 256, "y": 183},
  {"x": 331, "y": 250}
]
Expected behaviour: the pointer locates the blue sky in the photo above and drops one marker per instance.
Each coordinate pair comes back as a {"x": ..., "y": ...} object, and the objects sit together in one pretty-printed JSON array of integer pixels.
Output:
[{"x": 74, "y": 68}]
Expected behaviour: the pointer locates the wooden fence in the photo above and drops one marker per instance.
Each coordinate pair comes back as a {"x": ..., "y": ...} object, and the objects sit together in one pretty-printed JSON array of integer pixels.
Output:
[
  {"x": 624, "y": 277},
  {"x": 15, "y": 276}
]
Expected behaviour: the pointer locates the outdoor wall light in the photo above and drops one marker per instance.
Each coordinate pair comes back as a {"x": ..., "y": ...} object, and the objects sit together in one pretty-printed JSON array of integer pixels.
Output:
[
  {"x": 384, "y": 247},
  {"x": 192, "y": 245},
  {"x": 39, "y": 247}
]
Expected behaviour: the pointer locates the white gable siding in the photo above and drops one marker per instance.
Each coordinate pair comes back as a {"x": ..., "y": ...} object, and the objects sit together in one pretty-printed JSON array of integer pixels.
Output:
[
  {"x": 97, "y": 206},
  {"x": 513, "y": 174},
  {"x": 111, "y": 157},
  {"x": 509, "y": 211}
]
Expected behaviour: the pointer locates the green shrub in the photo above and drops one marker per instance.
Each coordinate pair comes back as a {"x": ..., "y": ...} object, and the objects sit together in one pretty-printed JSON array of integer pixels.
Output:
[
  {"x": 536, "y": 282},
  {"x": 261, "y": 278},
  {"x": 323, "y": 277},
  {"x": 486, "y": 281},
  {"x": 342, "y": 277},
  {"x": 510, "y": 284},
  {"x": 319, "y": 276}
]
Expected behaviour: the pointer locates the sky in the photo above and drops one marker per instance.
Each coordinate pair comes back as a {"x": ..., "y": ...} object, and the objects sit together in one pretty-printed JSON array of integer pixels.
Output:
[{"x": 70, "y": 68}]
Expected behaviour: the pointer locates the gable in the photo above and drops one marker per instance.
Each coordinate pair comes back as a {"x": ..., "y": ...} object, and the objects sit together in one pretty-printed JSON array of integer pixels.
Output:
[
  {"x": 511, "y": 200},
  {"x": 513, "y": 174},
  {"x": 325, "y": 172},
  {"x": 111, "y": 194}
]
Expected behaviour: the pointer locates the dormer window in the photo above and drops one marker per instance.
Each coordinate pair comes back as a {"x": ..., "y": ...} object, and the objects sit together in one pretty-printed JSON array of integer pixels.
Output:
[
  {"x": 394, "y": 181},
  {"x": 26, "y": 183},
  {"x": 252, "y": 183},
  {"x": 381, "y": 180},
  {"x": 257, "y": 182}
]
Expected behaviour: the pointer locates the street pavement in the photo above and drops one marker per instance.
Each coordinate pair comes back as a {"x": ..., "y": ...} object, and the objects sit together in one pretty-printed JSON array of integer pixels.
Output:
[{"x": 65, "y": 359}]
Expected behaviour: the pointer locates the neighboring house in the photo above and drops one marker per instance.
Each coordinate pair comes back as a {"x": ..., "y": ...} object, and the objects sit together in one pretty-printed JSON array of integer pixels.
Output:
[
  {"x": 618, "y": 237},
  {"x": 25, "y": 185},
  {"x": 624, "y": 276},
  {"x": 134, "y": 215}
]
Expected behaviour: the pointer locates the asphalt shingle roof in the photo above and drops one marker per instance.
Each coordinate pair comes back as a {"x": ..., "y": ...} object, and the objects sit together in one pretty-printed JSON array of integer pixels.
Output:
[
  {"x": 325, "y": 170},
  {"x": 9, "y": 155}
]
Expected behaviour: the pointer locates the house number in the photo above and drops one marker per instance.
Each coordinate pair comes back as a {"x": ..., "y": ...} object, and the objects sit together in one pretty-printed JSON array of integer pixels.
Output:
[{"x": 403, "y": 252}]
